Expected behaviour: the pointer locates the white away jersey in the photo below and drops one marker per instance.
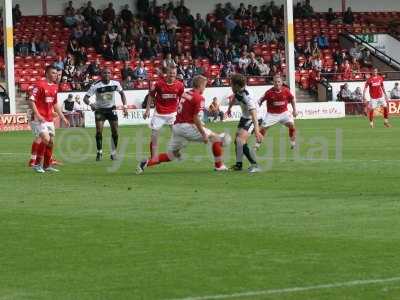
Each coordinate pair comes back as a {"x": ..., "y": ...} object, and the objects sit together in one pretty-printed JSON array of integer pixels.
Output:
[
  {"x": 105, "y": 93},
  {"x": 247, "y": 103}
]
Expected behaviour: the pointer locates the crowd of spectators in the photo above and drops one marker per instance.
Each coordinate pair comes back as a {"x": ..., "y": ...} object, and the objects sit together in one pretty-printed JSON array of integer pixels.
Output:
[{"x": 226, "y": 38}]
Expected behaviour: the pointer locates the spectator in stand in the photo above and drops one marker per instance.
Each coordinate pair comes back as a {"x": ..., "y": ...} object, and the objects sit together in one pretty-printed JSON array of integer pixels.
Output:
[
  {"x": 263, "y": 67},
  {"x": 395, "y": 92},
  {"x": 59, "y": 63},
  {"x": 243, "y": 62},
  {"x": 79, "y": 17},
  {"x": 298, "y": 11},
  {"x": 109, "y": 14},
  {"x": 94, "y": 68},
  {"x": 64, "y": 85},
  {"x": 44, "y": 46},
  {"x": 123, "y": 52},
  {"x": 199, "y": 37},
  {"x": 238, "y": 34},
  {"x": 307, "y": 10},
  {"x": 89, "y": 12},
  {"x": 143, "y": 7},
  {"x": 163, "y": 40},
  {"x": 22, "y": 47},
  {"x": 214, "y": 111},
  {"x": 149, "y": 51},
  {"x": 127, "y": 71},
  {"x": 128, "y": 84},
  {"x": 126, "y": 14},
  {"x": 308, "y": 49},
  {"x": 357, "y": 95},
  {"x": 140, "y": 72},
  {"x": 81, "y": 56},
  {"x": 317, "y": 62},
  {"x": 16, "y": 14},
  {"x": 341, "y": 58},
  {"x": 230, "y": 23},
  {"x": 356, "y": 51},
  {"x": 323, "y": 42},
  {"x": 205, "y": 51},
  {"x": 253, "y": 38},
  {"x": 227, "y": 70},
  {"x": 198, "y": 23},
  {"x": 168, "y": 61},
  {"x": 330, "y": 16},
  {"x": 69, "y": 104},
  {"x": 33, "y": 46},
  {"x": 366, "y": 60},
  {"x": 346, "y": 70},
  {"x": 315, "y": 49},
  {"x": 355, "y": 66},
  {"x": 216, "y": 82},
  {"x": 344, "y": 93},
  {"x": 73, "y": 46},
  {"x": 270, "y": 36},
  {"x": 348, "y": 17},
  {"x": 217, "y": 56},
  {"x": 277, "y": 58},
  {"x": 171, "y": 21},
  {"x": 252, "y": 68}
]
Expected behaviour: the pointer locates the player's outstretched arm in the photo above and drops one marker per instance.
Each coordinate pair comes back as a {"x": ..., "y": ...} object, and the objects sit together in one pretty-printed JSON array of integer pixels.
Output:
[
  {"x": 87, "y": 102},
  {"x": 124, "y": 103},
  {"x": 150, "y": 100},
  {"x": 257, "y": 133},
  {"x": 38, "y": 116},
  {"x": 229, "y": 111},
  {"x": 293, "y": 103},
  {"x": 199, "y": 125},
  {"x": 57, "y": 109}
]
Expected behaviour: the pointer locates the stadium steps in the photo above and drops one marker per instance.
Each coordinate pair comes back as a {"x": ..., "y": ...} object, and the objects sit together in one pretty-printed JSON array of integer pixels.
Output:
[
  {"x": 21, "y": 103},
  {"x": 305, "y": 96}
]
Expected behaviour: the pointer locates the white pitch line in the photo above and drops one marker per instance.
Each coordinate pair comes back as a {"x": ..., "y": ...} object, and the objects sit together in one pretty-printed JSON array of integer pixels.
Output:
[{"x": 293, "y": 289}]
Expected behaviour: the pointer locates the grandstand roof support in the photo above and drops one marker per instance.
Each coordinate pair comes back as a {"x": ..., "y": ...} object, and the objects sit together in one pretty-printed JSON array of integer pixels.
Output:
[
  {"x": 289, "y": 40},
  {"x": 9, "y": 52}
]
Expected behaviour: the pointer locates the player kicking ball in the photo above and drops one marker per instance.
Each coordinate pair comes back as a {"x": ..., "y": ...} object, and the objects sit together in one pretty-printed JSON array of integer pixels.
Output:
[
  {"x": 105, "y": 109},
  {"x": 378, "y": 99},
  {"x": 43, "y": 103},
  {"x": 277, "y": 99},
  {"x": 248, "y": 122},
  {"x": 189, "y": 128},
  {"x": 165, "y": 94}
]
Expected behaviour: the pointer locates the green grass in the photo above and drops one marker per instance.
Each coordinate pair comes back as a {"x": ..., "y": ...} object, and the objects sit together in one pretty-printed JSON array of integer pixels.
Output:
[{"x": 98, "y": 231}]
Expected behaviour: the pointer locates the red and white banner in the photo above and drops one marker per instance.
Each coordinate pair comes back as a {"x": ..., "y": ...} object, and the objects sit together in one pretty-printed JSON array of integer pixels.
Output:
[
  {"x": 394, "y": 107},
  {"x": 14, "y": 122}
]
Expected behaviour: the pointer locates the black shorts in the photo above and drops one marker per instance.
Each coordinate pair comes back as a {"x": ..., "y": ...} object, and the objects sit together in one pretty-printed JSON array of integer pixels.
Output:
[
  {"x": 109, "y": 114},
  {"x": 247, "y": 124}
]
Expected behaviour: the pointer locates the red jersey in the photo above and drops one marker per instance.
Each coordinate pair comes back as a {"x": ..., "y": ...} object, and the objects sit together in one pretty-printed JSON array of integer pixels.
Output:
[
  {"x": 167, "y": 96},
  {"x": 44, "y": 94},
  {"x": 190, "y": 105},
  {"x": 375, "y": 85},
  {"x": 277, "y": 101}
]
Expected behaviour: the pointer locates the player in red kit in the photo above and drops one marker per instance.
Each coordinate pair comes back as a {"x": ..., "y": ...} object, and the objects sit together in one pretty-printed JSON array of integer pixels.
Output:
[
  {"x": 189, "y": 128},
  {"x": 378, "y": 98},
  {"x": 36, "y": 140},
  {"x": 277, "y": 98},
  {"x": 165, "y": 94},
  {"x": 43, "y": 102}
]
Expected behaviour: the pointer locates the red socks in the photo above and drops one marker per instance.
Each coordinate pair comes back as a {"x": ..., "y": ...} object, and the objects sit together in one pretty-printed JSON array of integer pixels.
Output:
[
  {"x": 217, "y": 151},
  {"x": 40, "y": 150},
  {"x": 292, "y": 133},
  {"x": 371, "y": 115},
  {"x": 34, "y": 150},
  {"x": 386, "y": 112},
  {"x": 48, "y": 153},
  {"x": 163, "y": 157}
]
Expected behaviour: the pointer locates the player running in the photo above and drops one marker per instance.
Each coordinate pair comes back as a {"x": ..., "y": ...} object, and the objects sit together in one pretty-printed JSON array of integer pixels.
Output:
[
  {"x": 104, "y": 109},
  {"x": 43, "y": 102},
  {"x": 378, "y": 97},
  {"x": 277, "y": 99},
  {"x": 166, "y": 94},
  {"x": 189, "y": 128},
  {"x": 248, "y": 123}
]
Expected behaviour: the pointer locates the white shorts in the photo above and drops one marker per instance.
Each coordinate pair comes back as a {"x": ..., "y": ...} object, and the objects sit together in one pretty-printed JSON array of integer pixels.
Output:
[
  {"x": 183, "y": 133},
  {"x": 377, "y": 103},
  {"x": 159, "y": 121},
  {"x": 46, "y": 127},
  {"x": 272, "y": 119}
]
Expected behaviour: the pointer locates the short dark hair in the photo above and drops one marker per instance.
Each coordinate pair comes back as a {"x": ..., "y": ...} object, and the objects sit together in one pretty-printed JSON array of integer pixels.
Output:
[{"x": 238, "y": 80}]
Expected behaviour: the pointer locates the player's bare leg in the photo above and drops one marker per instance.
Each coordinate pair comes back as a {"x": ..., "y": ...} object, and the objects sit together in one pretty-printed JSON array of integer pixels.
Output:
[
  {"x": 263, "y": 132},
  {"x": 99, "y": 139},
  {"x": 371, "y": 113},
  {"x": 292, "y": 134},
  {"x": 114, "y": 139}
]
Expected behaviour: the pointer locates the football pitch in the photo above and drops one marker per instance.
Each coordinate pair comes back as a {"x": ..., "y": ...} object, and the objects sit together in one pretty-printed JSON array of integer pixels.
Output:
[{"x": 320, "y": 222}]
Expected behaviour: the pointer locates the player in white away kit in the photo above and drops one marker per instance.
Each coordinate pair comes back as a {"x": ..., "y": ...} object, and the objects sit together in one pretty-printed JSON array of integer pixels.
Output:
[
  {"x": 104, "y": 109},
  {"x": 277, "y": 99},
  {"x": 189, "y": 128},
  {"x": 378, "y": 97},
  {"x": 248, "y": 122}
]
